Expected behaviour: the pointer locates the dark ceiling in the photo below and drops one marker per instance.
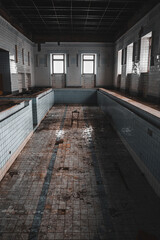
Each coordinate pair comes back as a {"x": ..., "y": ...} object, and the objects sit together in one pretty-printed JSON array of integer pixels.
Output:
[{"x": 74, "y": 20}]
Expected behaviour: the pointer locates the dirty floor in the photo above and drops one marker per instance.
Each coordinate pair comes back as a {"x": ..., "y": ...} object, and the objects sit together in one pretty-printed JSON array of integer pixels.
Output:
[{"x": 76, "y": 180}]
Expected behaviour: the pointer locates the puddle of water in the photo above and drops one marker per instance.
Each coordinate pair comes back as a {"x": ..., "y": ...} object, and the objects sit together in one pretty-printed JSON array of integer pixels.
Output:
[
  {"x": 59, "y": 133},
  {"x": 87, "y": 133}
]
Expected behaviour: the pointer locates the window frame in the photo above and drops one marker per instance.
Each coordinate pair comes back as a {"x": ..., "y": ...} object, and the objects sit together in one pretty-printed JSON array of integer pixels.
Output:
[
  {"x": 119, "y": 62},
  {"x": 129, "y": 59},
  {"x": 59, "y": 60},
  {"x": 88, "y": 60},
  {"x": 147, "y": 37}
]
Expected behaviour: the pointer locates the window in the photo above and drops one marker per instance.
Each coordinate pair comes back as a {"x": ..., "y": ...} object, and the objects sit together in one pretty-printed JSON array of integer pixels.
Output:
[
  {"x": 88, "y": 64},
  {"x": 119, "y": 65},
  {"x": 129, "y": 58},
  {"x": 145, "y": 53},
  {"x": 58, "y": 64}
]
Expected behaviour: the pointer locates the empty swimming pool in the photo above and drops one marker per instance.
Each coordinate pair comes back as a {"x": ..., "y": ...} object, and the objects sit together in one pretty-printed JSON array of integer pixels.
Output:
[{"x": 77, "y": 182}]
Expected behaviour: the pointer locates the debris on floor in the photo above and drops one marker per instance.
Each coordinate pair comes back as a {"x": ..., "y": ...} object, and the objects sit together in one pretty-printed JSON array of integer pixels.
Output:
[
  {"x": 95, "y": 190},
  {"x": 13, "y": 172},
  {"x": 59, "y": 142}
]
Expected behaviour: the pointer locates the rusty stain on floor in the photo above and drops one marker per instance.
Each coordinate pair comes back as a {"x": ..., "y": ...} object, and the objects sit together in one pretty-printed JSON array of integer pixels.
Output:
[{"x": 95, "y": 192}]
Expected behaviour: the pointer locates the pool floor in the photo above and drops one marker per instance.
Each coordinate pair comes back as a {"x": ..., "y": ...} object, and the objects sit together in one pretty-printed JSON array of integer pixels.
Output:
[{"x": 77, "y": 181}]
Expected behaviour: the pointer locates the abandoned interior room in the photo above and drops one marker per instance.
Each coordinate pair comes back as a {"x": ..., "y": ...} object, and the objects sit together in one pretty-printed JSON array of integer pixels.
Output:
[{"x": 79, "y": 119}]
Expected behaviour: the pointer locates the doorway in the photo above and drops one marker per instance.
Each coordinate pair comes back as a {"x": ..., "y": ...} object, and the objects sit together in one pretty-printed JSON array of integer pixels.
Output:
[{"x": 5, "y": 77}]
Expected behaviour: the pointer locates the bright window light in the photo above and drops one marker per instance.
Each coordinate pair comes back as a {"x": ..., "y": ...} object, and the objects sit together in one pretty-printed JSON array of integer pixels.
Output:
[
  {"x": 88, "y": 63},
  {"x": 145, "y": 52},
  {"x": 56, "y": 56},
  {"x": 129, "y": 58},
  {"x": 58, "y": 67},
  {"x": 119, "y": 65},
  {"x": 88, "y": 67},
  {"x": 58, "y": 64},
  {"x": 88, "y": 57}
]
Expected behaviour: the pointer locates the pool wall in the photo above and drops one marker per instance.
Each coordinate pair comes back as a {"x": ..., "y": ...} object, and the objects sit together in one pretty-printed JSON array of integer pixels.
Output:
[
  {"x": 16, "y": 128},
  {"x": 139, "y": 131}
]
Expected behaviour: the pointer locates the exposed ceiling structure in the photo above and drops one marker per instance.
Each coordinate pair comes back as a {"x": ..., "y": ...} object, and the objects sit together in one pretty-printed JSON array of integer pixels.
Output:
[{"x": 74, "y": 20}]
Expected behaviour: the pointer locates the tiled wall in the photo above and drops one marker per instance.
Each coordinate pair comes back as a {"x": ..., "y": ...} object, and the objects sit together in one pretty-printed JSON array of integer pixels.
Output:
[
  {"x": 149, "y": 23},
  {"x": 74, "y": 78},
  {"x": 15, "y": 127},
  {"x": 11, "y": 110},
  {"x": 78, "y": 96},
  {"x": 134, "y": 83},
  {"x": 153, "y": 84},
  {"x": 9, "y": 37},
  {"x": 58, "y": 80},
  {"x": 141, "y": 137},
  {"x": 143, "y": 84},
  {"x": 40, "y": 104},
  {"x": 88, "y": 81},
  {"x": 44, "y": 102}
]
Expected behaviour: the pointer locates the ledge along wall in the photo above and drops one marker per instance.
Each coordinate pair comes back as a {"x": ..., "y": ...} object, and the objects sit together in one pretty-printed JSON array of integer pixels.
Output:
[
  {"x": 16, "y": 128},
  {"x": 76, "y": 96},
  {"x": 41, "y": 103},
  {"x": 139, "y": 129}
]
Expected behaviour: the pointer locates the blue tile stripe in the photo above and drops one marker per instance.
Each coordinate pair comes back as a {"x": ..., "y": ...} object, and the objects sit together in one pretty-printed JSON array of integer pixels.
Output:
[
  {"x": 43, "y": 196},
  {"x": 101, "y": 193}
]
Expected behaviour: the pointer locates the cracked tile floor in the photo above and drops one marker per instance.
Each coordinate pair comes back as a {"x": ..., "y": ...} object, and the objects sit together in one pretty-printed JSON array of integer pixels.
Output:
[{"x": 77, "y": 182}]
